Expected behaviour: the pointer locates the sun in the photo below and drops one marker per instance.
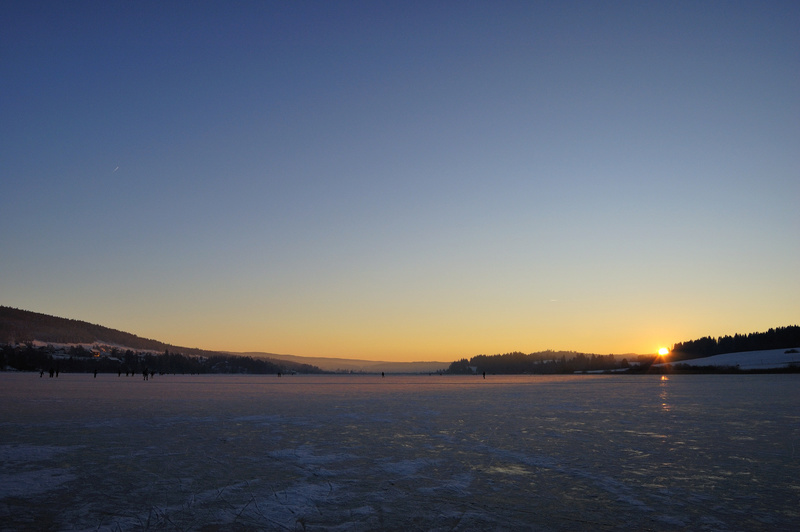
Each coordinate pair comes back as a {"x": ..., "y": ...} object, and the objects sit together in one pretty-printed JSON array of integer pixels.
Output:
[{"x": 663, "y": 351}]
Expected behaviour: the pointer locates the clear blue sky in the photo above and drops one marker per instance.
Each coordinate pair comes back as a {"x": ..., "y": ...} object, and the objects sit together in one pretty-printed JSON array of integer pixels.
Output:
[{"x": 403, "y": 181}]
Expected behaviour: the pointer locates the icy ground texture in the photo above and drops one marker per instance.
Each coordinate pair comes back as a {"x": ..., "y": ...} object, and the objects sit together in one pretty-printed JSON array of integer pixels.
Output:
[{"x": 687, "y": 452}]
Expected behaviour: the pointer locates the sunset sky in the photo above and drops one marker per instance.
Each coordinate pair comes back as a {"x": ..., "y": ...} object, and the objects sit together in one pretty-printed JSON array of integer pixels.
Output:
[{"x": 403, "y": 180}]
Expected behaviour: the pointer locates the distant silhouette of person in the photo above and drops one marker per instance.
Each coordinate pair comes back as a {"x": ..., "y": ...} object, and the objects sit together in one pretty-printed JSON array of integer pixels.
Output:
[
  {"x": 152, "y": 374},
  {"x": 145, "y": 373},
  {"x": 52, "y": 372},
  {"x": 119, "y": 373},
  {"x": 41, "y": 374},
  {"x": 95, "y": 373},
  {"x": 484, "y": 374},
  {"x": 56, "y": 371},
  {"x": 382, "y": 375}
]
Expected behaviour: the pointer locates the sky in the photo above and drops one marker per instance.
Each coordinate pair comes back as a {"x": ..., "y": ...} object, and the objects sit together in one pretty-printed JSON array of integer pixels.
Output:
[{"x": 403, "y": 181}]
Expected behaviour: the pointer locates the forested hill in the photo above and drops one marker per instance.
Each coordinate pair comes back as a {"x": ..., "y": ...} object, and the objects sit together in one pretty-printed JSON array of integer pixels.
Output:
[
  {"x": 542, "y": 363},
  {"x": 21, "y": 326},
  {"x": 778, "y": 338}
]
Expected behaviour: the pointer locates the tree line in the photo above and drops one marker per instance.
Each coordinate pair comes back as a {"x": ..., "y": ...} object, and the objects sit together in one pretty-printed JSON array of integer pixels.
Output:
[
  {"x": 777, "y": 338},
  {"x": 27, "y": 357},
  {"x": 539, "y": 363}
]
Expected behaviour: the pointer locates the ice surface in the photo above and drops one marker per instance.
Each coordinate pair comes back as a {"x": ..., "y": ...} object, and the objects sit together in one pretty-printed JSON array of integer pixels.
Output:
[{"x": 616, "y": 452}]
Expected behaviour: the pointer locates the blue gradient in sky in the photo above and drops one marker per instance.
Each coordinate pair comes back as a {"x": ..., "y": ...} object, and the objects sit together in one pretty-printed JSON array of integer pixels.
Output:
[{"x": 403, "y": 180}]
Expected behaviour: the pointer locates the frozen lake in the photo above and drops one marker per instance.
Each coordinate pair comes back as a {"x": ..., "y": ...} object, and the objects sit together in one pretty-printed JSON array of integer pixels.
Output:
[{"x": 686, "y": 452}]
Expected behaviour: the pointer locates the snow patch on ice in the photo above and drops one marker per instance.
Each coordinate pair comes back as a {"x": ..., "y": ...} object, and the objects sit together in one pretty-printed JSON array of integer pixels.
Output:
[
  {"x": 21, "y": 477},
  {"x": 608, "y": 484},
  {"x": 511, "y": 469}
]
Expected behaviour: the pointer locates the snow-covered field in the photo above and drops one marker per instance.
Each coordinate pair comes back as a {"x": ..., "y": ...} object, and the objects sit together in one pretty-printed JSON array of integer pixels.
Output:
[
  {"x": 770, "y": 358},
  {"x": 604, "y": 452}
]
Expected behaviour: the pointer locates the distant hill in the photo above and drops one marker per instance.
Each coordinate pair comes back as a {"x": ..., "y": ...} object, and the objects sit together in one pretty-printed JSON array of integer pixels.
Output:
[
  {"x": 21, "y": 326},
  {"x": 26, "y": 327},
  {"x": 355, "y": 365}
]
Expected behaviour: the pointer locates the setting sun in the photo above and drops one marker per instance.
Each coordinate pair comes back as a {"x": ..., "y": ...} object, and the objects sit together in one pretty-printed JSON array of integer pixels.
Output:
[{"x": 663, "y": 351}]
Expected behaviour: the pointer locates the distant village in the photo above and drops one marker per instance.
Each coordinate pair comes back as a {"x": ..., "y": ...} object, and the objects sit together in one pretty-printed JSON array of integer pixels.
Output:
[{"x": 99, "y": 357}]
